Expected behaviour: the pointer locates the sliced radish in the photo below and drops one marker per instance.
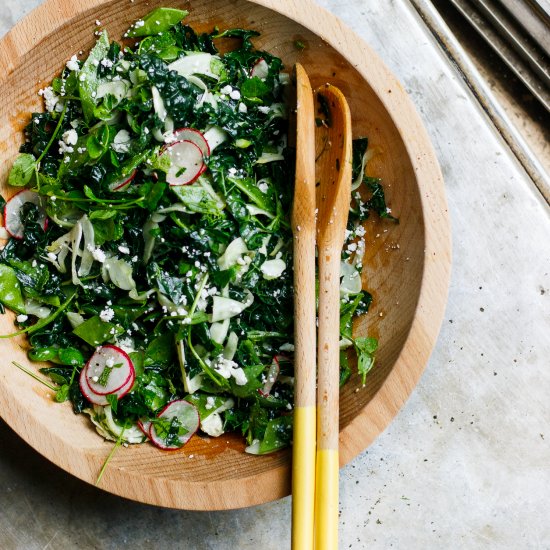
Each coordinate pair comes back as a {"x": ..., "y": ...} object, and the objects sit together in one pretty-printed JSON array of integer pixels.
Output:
[
  {"x": 12, "y": 212},
  {"x": 120, "y": 366},
  {"x": 194, "y": 136},
  {"x": 183, "y": 417},
  {"x": 119, "y": 380},
  {"x": 96, "y": 399},
  {"x": 88, "y": 393},
  {"x": 260, "y": 69},
  {"x": 145, "y": 427},
  {"x": 272, "y": 375},
  {"x": 123, "y": 183},
  {"x": 187, "y": 162}
]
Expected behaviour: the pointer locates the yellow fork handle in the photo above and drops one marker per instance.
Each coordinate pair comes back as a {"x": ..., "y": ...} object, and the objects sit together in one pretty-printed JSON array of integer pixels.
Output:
[{"x": 303, "y": 477}]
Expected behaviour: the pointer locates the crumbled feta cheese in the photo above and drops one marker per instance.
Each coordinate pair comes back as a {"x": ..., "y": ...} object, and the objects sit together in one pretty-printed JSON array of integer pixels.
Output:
[
  {"x": 64, "y": 148},
  {"x": 107, "y": 63},
  {"x": 243, "y": 108},
  {"x": 235, "y": 94},
  {"x": 209, "y": 402},
  {"x": 124, "y": 249},
  {"x": 263, "y": 109},
  {"x": 72, "y": 64},
  {"x": 70, "y": 137},
  {"x": 22, "y": 318},
  {"x": 50, "y": 98},
  {"x": 228, "y": 368},
  {"x": 97, "y": 254},
  {"x": 227, "y": 89},
  {"x": 239, "y": 376},
  {"x": 107, "y": 314},
  {"x": 98, "y": 23},
  {"x": 212, "y": 425},
  {"x": 263, "y": 187}
]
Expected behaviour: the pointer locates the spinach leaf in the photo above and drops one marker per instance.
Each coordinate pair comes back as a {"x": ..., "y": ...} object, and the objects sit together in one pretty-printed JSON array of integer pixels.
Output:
[
  {"x": 10, "y": 289},
  {"x": 22, "y": 170},
  {"x": 95, "y": 332},
  {"x": 88, "y": 81},
  {"x": 277, "y": 435},
  {"x": 158, "y": 21}
]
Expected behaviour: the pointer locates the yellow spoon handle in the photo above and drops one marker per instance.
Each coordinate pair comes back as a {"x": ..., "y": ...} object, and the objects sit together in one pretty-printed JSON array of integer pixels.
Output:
[
  {"x": 328, "y": 362},
  {"x": 326, "y": 500}
]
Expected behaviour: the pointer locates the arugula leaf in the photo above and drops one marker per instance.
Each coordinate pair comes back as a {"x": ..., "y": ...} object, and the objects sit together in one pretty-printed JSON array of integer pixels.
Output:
[{"x": 365, "y": 348}]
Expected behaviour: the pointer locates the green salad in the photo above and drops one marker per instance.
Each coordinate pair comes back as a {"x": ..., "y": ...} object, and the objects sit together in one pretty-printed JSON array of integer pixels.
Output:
[{"x": 149, "y": 251}]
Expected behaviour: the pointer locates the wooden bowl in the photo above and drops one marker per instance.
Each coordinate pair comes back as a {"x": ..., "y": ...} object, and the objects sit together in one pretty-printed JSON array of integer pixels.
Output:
[{"x": 406, "y": 266}]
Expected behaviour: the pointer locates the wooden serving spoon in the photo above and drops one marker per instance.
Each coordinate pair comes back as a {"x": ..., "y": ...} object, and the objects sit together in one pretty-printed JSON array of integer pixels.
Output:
[
  {"x": 303, "y": 229},
  {"x": 333, "y": 175}
]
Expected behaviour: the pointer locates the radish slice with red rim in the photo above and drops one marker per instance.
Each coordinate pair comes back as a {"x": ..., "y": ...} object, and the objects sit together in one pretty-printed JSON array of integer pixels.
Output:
[
  {"x": 127, "y": 387},
  {"x": 97, "y": 399},
  {"x": 272, "y": 375},
  {"x": 88, "y": 393},
  {"x": 194, "y": 136},
  {"x": 108, "y": 370},
  {"x": 187, "y": 162},
  {"x": 260, "y": 69},
  {"x": 13, "y": 212},
  {"x": 145, "y": 427},
  {"x": 122, "y": 183},
  {"x": 174, "y": 425}
]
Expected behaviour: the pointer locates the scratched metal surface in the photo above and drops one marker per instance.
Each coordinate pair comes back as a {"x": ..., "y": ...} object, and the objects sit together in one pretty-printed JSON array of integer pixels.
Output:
[{"x": 466, "y": 462}]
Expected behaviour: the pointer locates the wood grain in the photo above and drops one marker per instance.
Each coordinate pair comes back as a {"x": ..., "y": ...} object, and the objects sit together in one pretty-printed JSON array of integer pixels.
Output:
[
  {"x": 305, "y": 366},
  {"x": 407, "y": 266}
]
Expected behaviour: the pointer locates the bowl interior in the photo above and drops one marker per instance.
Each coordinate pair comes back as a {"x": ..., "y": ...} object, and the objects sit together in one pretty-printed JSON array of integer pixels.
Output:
[{"x": 215, "y": 473}]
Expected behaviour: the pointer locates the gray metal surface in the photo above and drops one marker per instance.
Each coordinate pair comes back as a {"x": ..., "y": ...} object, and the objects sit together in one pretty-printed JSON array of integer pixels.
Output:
[
  {"x": 534, "y": 17},
  {"x": 512, "y": 43},
  {"x": 497, "y": 115},
  {"x": 465, "y": 463}
]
